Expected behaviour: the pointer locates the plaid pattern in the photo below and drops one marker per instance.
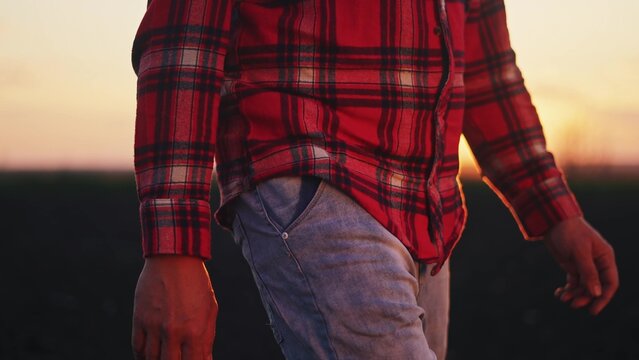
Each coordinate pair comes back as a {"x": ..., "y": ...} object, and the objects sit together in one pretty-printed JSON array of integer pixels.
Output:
[{"x": 370, "y": 95}]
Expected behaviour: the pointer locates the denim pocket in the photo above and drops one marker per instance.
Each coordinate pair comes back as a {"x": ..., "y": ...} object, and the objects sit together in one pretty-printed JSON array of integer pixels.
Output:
[{"x": 286, "y": 200}]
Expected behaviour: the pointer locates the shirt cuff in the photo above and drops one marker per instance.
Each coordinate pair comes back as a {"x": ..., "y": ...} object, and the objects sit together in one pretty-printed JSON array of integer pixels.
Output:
[
  {"x": 542, "y": 206},
  {"x": 176, "y": 226}
]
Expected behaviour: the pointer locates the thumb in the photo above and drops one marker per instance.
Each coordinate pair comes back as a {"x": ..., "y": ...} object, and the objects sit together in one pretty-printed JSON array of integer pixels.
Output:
[{"x": 588, "y": 275}]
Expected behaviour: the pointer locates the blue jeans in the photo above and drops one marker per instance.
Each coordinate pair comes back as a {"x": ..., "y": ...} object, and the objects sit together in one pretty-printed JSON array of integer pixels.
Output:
[{"x": 334, "y": 282}]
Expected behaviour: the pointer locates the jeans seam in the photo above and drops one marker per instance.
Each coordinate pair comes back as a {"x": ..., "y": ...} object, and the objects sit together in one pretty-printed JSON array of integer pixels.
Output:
[
  {"x": 306, "y": 281},
  {"x": 317, "y": 308},
  {"x": 268, "y": 292}
]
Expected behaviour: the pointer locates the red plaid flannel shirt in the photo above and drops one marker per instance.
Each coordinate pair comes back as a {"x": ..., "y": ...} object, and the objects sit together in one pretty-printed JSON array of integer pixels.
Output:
[{"x": 370, "y": 95}]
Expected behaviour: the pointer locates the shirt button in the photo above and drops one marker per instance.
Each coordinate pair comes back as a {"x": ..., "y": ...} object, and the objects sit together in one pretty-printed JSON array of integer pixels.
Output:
[
  {"x": 284, "y": 235},
  {"x": 437, "y": 30}
]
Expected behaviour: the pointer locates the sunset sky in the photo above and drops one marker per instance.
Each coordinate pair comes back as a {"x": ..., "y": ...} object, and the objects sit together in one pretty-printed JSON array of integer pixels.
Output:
[{"x": 67, "y": 90}]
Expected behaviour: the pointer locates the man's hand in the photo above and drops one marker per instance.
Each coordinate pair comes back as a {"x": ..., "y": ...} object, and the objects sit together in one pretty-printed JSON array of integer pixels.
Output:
[
  {"x": 589, "y": 262},
  {"x": 174, "y": 311}
]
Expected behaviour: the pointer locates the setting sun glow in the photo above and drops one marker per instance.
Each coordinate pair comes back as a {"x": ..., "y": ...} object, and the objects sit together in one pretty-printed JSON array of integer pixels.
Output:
[{"x": 67, "y": 90}]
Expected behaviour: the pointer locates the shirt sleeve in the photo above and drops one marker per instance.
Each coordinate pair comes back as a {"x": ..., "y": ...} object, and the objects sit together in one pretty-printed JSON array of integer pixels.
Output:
[
  {"x": 503, "y": 129},
  {"x": 178, "y": 55}
]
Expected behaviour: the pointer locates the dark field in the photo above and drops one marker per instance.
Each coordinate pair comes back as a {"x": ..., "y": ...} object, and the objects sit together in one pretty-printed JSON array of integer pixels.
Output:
[{"x": 70, "y": 258}]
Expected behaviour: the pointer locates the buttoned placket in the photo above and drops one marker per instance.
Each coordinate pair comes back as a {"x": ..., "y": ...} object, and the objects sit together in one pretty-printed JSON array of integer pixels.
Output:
[{"x": 443, "y": 95}]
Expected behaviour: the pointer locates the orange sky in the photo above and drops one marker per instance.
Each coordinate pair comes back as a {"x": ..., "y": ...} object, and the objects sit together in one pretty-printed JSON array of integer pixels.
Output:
[{"x": 67, "y": 90}]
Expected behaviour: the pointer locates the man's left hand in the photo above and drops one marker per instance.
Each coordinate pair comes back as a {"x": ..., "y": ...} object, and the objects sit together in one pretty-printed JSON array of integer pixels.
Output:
[{"x": 589, "y": 261}]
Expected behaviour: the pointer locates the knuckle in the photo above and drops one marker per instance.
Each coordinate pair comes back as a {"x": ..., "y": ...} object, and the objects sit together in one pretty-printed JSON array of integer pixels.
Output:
[
  {"x": 590, "y": 275},
  {"x": 138, "y": 353},
  {"x": 607, "y": 247},
  {"x": 136, "y": 344},
  {"x": 191, "y": 333},
  {"x": 145, "y": 322},
  {"x": 196, "y": 336},
  {"x": 169, "y": 329},
  {"x": 138, "y": 319}
]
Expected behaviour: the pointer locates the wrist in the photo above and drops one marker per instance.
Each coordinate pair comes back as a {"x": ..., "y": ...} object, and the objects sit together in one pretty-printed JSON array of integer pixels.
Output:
[
  {"x": 174, "y": 261},
  {"x": 561, "y": 225}
]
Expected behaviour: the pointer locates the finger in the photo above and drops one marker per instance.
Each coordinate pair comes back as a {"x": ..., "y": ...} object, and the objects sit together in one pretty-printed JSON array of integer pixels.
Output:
[
  {"x": 599, "y": 304},
  {"x": 572, "y": 280},
  {"x": 608, "y": 270},
  {"x": 137, "y": 342},
  {"x": 558, "y": 292},
  {"x": 610, "y": 283},
  {"x": 170, "y": 350},
  {"x": 190, "y": 351},
  {"x": 571, "y": 293},
  {"x": 581, "y": 301},
  {"x": 152, "y": 347},
  {"x": 588, "y": 274}
]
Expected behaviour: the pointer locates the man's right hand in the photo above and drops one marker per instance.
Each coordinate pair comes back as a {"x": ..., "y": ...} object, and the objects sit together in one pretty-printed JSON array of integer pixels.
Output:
[{"x": 174, "y": 311}]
